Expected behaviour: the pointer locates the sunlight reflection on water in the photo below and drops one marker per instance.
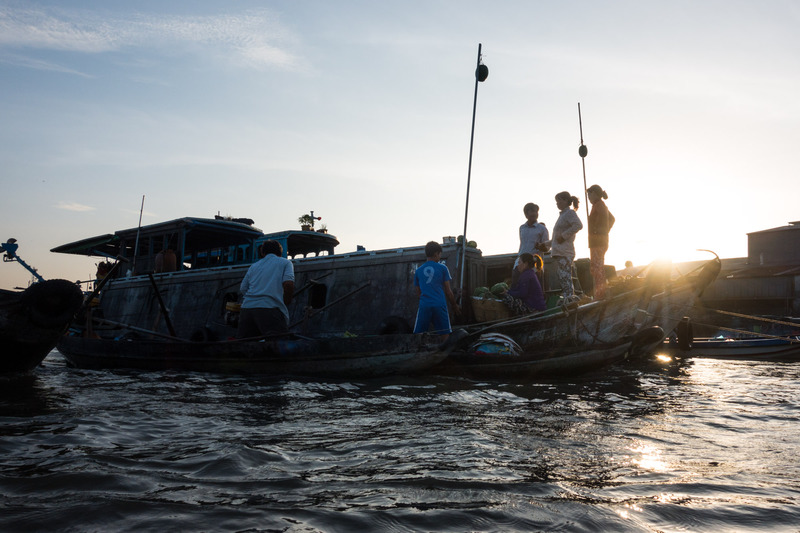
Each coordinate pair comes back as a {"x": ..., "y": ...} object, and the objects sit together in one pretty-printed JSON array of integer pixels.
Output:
[{"x": 660, "y": 445}]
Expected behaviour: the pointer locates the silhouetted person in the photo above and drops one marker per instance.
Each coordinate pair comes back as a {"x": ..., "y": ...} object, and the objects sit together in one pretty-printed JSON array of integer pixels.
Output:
[
  {"x": 600, "y": 222},
  {"x": 268, "y": 288},
  {"x": 532, "y": 236},
  {"x": 432, "y": 281},
  {"x": 562, "y": 245}
]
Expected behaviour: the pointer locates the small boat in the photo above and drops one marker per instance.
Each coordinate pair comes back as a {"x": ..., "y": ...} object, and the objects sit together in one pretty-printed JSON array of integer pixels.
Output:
[
  {"x": 497, "y": 356},
  {"x": 634, "y": 307},
  {"x": 283, "y": 356},
  {"x": 767, "y": 348},
  {"x": 32, "y": 320}
]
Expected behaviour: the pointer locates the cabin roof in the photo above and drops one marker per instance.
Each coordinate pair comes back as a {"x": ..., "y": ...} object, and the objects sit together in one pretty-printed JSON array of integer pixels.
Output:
[
  {"x": 102, "y": 245},
  {"x": 200, "y": 233},
  {"x": 303, "y": 242}
]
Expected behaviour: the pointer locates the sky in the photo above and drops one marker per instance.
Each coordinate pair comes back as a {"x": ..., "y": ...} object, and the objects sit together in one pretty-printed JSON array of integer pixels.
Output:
[{"x": 362, "y": 112}]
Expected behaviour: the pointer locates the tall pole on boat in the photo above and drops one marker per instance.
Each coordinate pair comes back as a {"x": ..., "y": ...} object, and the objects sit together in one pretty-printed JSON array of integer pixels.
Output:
[
  {"x": 136, "y": 244},
  {"x": 481, "y": 73},
  {"x": 583, "y": 151}
]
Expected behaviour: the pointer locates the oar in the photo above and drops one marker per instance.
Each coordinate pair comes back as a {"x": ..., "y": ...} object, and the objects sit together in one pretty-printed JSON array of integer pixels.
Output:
[{"x": 138, "y": 329}]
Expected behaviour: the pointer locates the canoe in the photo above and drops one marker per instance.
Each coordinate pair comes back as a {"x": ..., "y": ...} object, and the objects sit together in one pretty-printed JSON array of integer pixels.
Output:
[
  {"x": 32, "y": 321},
  {"x": 768, "y": 348},
  {"x": 286, "y": 356}
]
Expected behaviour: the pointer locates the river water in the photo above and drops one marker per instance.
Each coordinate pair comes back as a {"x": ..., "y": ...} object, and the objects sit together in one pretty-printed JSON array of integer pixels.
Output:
[{"x": 694, "y": 445}]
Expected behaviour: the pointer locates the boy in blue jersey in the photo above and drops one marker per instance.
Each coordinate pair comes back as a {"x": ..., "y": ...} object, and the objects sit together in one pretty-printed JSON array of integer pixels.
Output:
[{"x": 432, "y": 280}]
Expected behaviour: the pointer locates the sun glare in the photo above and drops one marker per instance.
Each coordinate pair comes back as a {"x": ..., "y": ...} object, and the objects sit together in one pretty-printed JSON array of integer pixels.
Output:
[{"x": 649, "y": 458}]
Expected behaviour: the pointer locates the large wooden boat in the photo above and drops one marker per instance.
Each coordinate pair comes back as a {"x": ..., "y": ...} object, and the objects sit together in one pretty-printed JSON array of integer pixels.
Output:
[
  {"x": 362, "y": 293},
  {"x": 33, "y": 320}
]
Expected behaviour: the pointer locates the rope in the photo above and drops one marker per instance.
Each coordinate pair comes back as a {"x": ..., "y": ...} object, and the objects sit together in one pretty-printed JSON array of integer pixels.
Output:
[{"x": 752, "y": 317}]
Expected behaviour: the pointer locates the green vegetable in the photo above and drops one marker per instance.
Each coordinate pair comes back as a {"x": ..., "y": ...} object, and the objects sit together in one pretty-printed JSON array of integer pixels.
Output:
[
  {"x": 499, "y": 288},
  {"x": 481, "y": 292}
]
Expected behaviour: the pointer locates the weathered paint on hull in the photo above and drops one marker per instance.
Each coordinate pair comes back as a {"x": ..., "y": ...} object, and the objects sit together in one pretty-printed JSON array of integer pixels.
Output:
[
  {"x": 326, "y": 358},
  {"x": 610, "y": 320},
  {"x": 354, "y": 293}
]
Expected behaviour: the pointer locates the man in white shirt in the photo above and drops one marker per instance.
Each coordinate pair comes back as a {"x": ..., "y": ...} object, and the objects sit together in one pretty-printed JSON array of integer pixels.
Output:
[
  {"x": 532, "y": 233},
  {"x": 267, "y": 288}
]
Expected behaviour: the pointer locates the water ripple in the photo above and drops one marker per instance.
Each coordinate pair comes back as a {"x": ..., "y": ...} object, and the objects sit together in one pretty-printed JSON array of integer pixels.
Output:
[{"x": 680, "y": 446}]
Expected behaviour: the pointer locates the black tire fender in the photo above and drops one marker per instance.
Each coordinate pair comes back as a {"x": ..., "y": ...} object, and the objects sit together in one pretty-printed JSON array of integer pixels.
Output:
[{"x": 52, "y": 303}]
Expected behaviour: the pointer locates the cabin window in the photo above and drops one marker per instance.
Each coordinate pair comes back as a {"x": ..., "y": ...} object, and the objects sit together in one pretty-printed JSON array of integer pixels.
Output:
[
  {"x": 319, "y": 295},
  {"x": 144, "y": 246},
  {"x": 126, "y": 249},
  {"x": 241, "y": 254}
]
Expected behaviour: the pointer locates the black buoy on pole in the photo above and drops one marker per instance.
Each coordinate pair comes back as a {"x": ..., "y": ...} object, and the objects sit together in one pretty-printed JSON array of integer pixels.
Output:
[
  {"x": 583, "y": 151},
  {"x": 481, "y": 73}
]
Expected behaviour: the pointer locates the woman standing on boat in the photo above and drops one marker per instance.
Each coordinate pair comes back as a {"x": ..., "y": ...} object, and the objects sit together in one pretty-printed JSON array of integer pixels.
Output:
[
  {"x": 600, "y": 222},
  {"x": 562, "y": 246}
]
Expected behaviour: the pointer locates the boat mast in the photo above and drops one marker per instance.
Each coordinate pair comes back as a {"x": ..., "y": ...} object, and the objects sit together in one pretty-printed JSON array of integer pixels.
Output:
[
  {"x": 136, "y": 245},
  {"x": 583, "y": 151},
  {"x": 481, "y": 73}
]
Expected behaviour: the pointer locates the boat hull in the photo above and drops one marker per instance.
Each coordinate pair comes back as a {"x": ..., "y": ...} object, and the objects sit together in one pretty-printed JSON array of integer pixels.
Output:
[
  {"x": 361, "y": 357},
  {"x": 756, "y": 348},
  {"x": 32, "y": 322},
  {"x": 650, "y": 303},
  {"x": 539, "y": 365}
]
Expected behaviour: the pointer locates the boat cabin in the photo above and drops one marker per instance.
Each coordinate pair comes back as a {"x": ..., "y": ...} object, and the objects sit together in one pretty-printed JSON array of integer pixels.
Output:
[{"x": 193, "y": 243}]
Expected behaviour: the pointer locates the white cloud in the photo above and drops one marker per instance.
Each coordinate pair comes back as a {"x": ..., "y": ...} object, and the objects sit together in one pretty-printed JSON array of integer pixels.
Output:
[
  {"x": 73, "y": 206},
  {"x": 35, "y": 28},
  {"x": 38, "y": 64},
  {"x": 253, "y": 39}
]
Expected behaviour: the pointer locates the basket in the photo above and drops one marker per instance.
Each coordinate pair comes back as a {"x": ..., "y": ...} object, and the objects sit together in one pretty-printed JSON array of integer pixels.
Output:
[{"x": 488, "y": 309}]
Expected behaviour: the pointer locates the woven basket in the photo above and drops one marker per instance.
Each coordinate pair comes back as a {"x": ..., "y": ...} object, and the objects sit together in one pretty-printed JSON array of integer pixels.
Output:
[{"x": 488, "y": 309}]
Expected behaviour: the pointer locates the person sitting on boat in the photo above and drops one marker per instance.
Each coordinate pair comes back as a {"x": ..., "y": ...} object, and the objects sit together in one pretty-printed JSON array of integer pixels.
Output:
[
  {"x": 562, "y": 246},
  {"x": 526, "y": 295},
  {"x": 600, "y": 222},
  {"x": 432, "y": 281},
  {"x": 267, "y": 288},
  {"x": 532, "y": 235}
]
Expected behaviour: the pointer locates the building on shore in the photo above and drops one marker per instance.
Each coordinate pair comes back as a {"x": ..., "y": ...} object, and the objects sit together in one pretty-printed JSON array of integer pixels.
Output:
[{"x": 765, "y": 283}]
